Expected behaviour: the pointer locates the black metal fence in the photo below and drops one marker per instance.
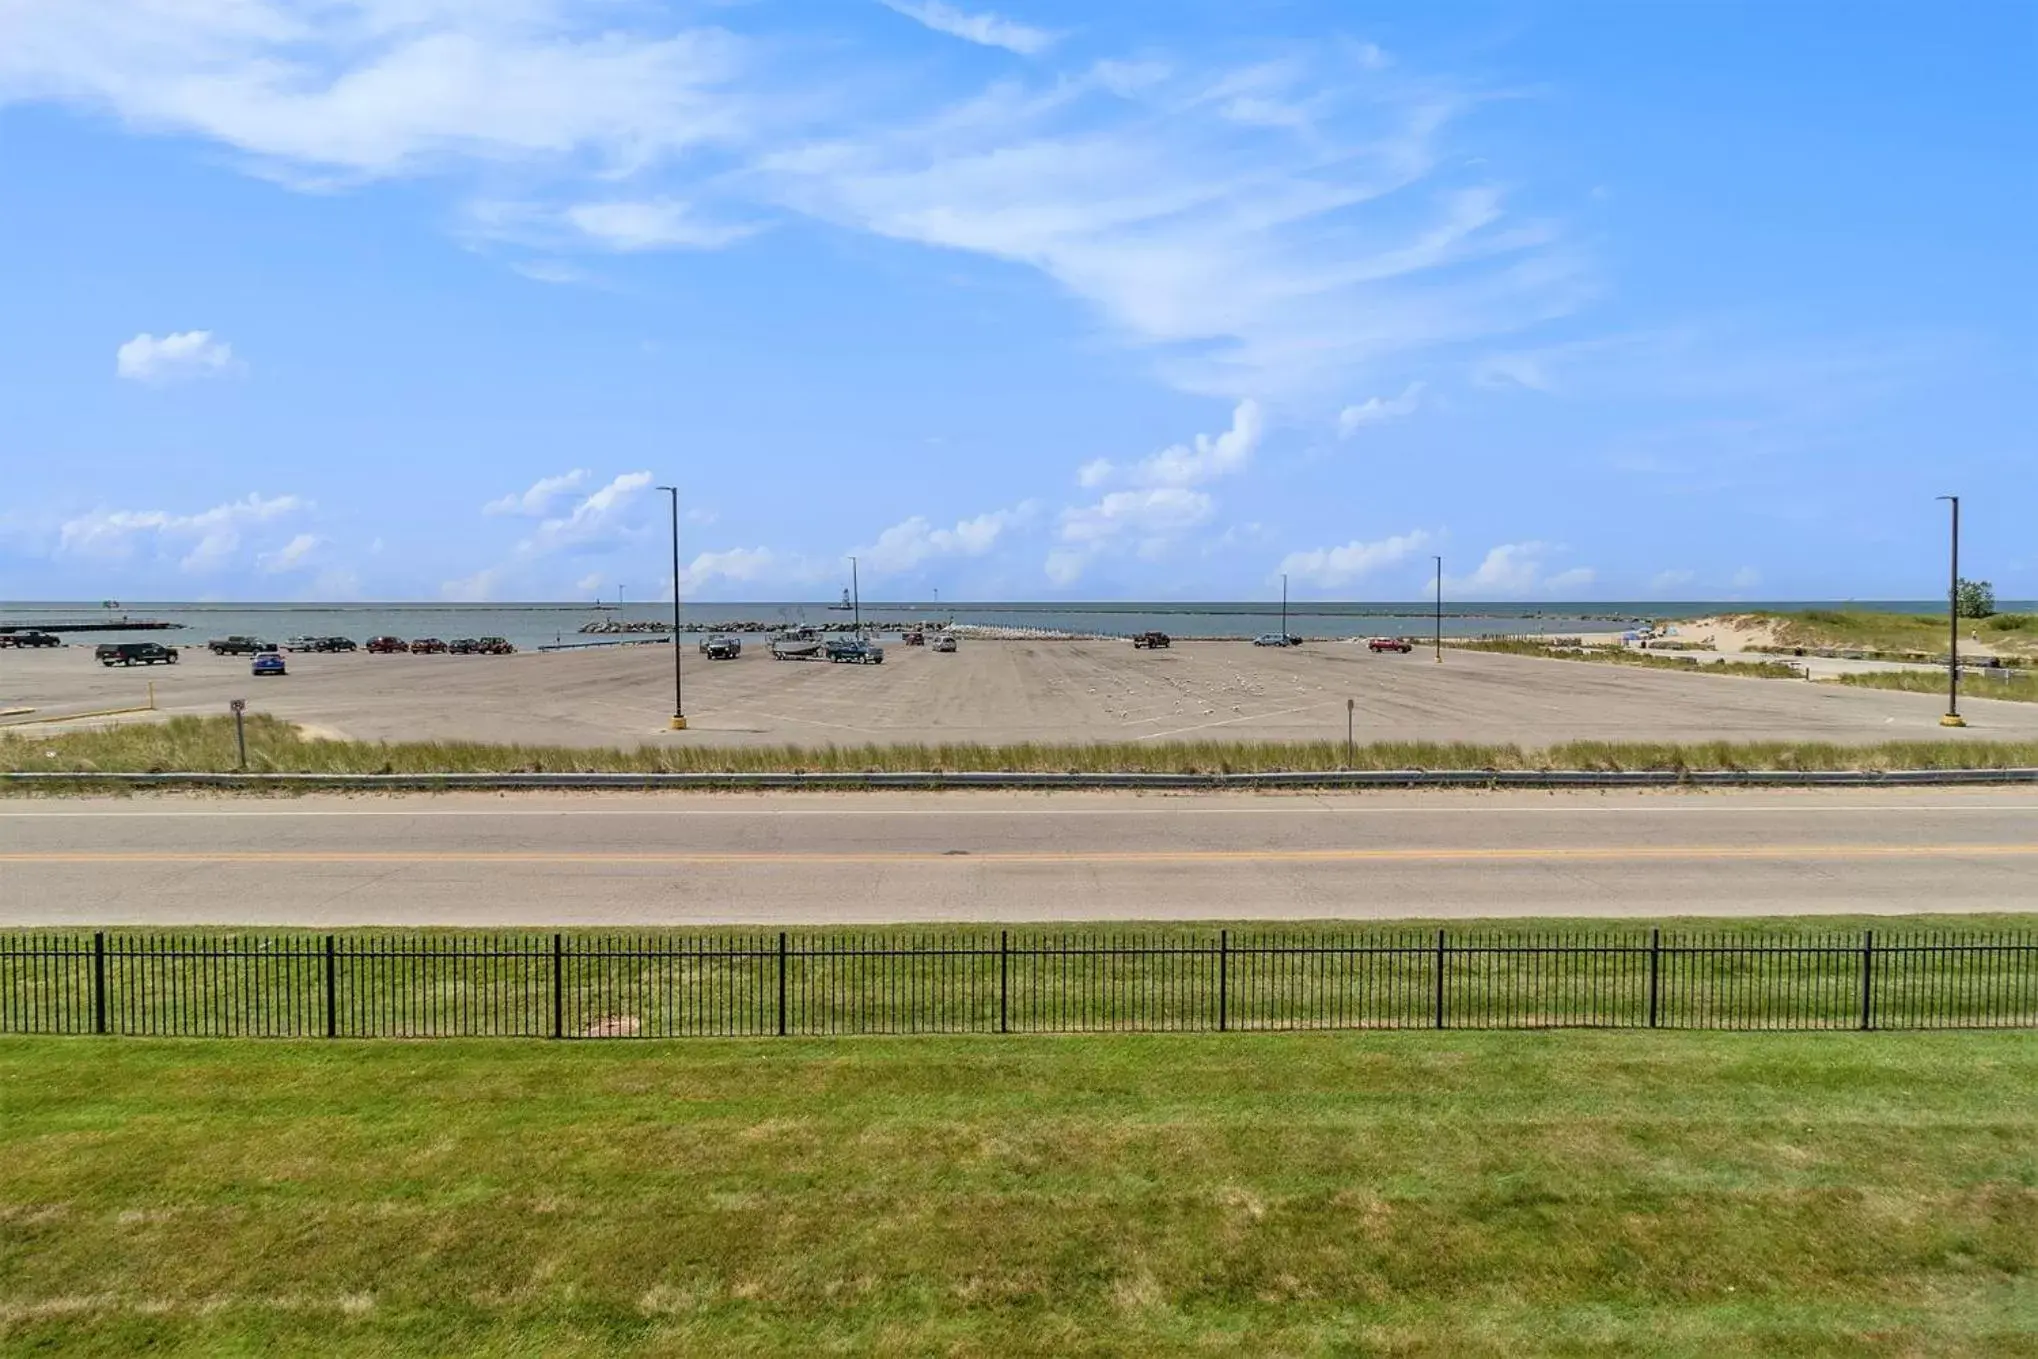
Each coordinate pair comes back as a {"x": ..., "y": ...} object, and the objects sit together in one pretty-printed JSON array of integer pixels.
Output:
[{"x": 585, "y": 985}]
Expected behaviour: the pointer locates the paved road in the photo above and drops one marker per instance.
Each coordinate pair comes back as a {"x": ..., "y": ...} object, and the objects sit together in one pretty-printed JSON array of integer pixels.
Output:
[{"x": 698, "y": 858}]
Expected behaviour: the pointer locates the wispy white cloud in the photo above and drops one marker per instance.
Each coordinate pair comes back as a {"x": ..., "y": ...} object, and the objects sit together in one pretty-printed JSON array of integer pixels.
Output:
[
  {"x": 983, "y": 28},
  {"x": 597, "y": 523},
  {"x": 1333, "y": 566},
  {"x": 291, "y": 556},
  {"x": 1161, "y": 500},
  {"x": 205, "y": 541},
  {"x": 176, "y": 356},
  {"x": 652, "y": 224},
  {"x": 540, "y": 496},
  {"x": 1664, "y": 582},
  {"x": 914, "y": 541},
  {"x": 1374, "y": 410},
  {"x": 372, "y": 88},
  {"x": 1519, "y": 571},
  {"x": 1205, "y": 458}
]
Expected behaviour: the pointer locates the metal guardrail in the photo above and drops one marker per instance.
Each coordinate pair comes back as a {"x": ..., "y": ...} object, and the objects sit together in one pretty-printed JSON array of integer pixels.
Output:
[{"x": 996, "y": 779}]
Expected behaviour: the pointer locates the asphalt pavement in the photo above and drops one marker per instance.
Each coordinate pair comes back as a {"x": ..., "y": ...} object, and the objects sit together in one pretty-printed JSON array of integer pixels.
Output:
[{"x": 668, "y": 859}]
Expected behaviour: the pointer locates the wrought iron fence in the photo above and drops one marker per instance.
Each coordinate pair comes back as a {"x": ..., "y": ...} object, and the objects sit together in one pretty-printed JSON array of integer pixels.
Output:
[{"x": 597, "y": 985}]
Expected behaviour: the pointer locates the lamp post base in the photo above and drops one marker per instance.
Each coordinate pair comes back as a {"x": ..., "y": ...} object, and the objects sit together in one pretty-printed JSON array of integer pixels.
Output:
[
  {"x": 1952, "y": 720},
  {"x": 678, "y": 722}
]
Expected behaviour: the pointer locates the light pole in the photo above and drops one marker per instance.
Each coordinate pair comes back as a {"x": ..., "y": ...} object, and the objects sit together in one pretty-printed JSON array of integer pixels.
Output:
[
  {"x": 1284, "y": 608},
  {"x": 678, "y": 682},
  {"x": 1440, "y": 611},
  {"x": 855, "y": 599},
  {"x": 1953, "y": 717}
]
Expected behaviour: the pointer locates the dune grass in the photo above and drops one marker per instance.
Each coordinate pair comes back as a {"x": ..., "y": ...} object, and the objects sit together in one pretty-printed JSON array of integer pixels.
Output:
[
  {"x": 1403, "y": 1193},
  {"x": 206, "y": 744},
  {"x": 1894, "y": 633},
  {"x": 2014, "y": 685},
  {"x": 1643, "y": 660}
]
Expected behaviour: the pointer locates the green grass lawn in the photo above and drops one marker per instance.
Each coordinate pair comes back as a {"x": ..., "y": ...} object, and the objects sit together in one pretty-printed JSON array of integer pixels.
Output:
[
  {"x": 1402, "y": 1193},
  {"x": 206, "y": 744}
]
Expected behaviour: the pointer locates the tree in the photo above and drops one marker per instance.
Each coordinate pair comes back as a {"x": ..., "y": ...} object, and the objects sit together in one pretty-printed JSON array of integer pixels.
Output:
[{"x": 1975, "y": 599}]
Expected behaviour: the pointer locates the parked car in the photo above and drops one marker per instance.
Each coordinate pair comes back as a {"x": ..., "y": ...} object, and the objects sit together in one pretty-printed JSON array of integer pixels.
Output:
[
  {"x": 136, "y": 653},
  {"x": 1271, "y": 639},
  {"x": 386, "y": 646},
  {"x": 721, "y": 648},
  {"x": 267, "y": 663},
  {"x": 337, "y": 644},
  {"x": 945, "y": 642},
  {"x": 855, "y": 650},
  {"x": 303, "y": 644},
  {"x": 1400, "y": 644},
  {"x": 493, "y": 646},
  {"x": 30, "y": 638},
  {"x": 427, "y": 646},
  {"x": 238, "y": 646},
  {"x": 1150, "y": 641},
  {"x": 916, "y": 637}
]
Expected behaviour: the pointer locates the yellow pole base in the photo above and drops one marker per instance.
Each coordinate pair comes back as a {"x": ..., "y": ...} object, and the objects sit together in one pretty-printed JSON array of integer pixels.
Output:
[
  {"x": 1952, "y": 720},
  {"x": 678, "y": 722}
]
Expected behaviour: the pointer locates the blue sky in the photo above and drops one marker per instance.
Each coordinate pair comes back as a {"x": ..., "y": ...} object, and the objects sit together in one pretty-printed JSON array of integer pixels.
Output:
[{"x": 420, "y": 299}]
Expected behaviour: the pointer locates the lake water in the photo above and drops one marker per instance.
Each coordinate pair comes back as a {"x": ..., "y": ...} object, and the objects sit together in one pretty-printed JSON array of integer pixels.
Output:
[{"x": 534, "y": 625}]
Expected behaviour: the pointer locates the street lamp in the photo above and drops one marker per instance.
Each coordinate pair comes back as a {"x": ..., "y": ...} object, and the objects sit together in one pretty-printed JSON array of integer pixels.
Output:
[
  {"x": 678, "y": 682},
  {"x": 855, "y": 600},
  {"x": 1284, "y": 608},
  {"x": 1440, "y": 611},
  {"x": 1953, "y": 717}
]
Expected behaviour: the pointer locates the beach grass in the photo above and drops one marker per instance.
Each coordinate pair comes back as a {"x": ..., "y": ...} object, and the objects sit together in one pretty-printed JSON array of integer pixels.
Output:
[
  {"x": 206, "y": 745},
  {"x": 2015, "y": 685},
  {"x": 1893, "y": 633},
  {"x": 1303, "y": 1193},
  {"x": 1645, "y": 660}
]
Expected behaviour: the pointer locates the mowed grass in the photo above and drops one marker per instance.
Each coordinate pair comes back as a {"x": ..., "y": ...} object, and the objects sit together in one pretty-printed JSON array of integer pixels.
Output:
[
  {"x": 206, "y": 744},
  {"x": 2016, "y": 685},
  {"x": 1411, "y": 1193}
]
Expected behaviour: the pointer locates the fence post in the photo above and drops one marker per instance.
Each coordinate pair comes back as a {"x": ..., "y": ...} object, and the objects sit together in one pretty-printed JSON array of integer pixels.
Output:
[
  {"x": 1868, "y": 979},
  {"x": 1223, "y": 980},
  {"x": 1440, "y": 979},
  {"x": 1004, "y": 979},
  {"x": 1655, "y": 970},
  {"x": 781, "y": 983},
  {"x": 332, "y": 993},
  {"x": 99, "y": 982},
  {"x": 558, "y": 986}
]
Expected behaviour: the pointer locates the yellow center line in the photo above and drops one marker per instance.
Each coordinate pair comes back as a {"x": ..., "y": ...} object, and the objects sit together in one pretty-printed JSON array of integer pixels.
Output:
[{"x": 1589, "y": 853}]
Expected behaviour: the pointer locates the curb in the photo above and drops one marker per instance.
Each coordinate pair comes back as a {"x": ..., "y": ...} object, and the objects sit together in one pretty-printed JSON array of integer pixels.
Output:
[{"x": 1358, "y": 779}]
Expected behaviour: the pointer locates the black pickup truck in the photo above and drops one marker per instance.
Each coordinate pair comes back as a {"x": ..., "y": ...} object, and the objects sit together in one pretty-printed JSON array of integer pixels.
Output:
[
  {"x": 238, "y": 646},
  {"x": 30, "y": 638},
  {"x": 136, "y": 653}
]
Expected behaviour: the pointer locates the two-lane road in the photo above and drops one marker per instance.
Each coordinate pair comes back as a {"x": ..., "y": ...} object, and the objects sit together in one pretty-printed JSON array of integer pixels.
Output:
[{"x": 459, "y": 859}]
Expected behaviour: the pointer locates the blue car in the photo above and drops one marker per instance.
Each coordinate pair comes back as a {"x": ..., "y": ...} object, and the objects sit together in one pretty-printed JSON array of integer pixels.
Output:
[{"x": 268, "y": 663}]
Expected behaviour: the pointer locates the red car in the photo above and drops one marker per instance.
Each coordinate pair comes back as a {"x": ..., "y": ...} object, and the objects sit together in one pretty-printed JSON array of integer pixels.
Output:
[
  {"x": 386, "y": 646},
  {"x": 1400, "y": 644},
  {"x": 427, "y": 646}
]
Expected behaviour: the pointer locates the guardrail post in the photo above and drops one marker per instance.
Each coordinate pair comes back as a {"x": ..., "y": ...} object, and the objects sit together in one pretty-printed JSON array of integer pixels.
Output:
[
  {"x": 558, "y": 986},
  {"x": 1655, "y": 970},
  {"x": 1223, "y": 980},
  {"x": 1868, "y": 979},
  {"x": 99, "y": 982},
  {"x": 781, "y": 983},
  {"x": 1440, "y": 979},
  {"x": 1004, "y": 980},
  {"x": 332, "y": 992}
]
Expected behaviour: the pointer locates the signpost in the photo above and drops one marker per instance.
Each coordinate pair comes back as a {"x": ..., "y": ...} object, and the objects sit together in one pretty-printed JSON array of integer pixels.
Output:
[
  {"x": 240, "y": 706},
  {"x": 1350, "y": 704}
]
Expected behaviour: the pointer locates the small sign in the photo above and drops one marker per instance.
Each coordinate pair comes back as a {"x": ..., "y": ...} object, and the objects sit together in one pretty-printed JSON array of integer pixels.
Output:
[{"x": 239, "y": 705}]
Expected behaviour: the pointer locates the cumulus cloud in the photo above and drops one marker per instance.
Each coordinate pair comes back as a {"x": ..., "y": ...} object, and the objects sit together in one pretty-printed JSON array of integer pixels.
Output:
[
  {"x": 1334, "y": 566},
  {"x": 1518, "y": 570},
  {"x": 291, "y": 556},
  {"x": 910, "y": 542},
  {"x": 1158, "y": 511},
  {"x": 1374, "y": 410},
  {"x": 1205, "y": 458},
  {"x": 175, "y": 357},
  {"x": 596, "y": 523},
  {"x": 984, "y": 29},
  {"x": 742, "y": 565},
  {"x": 540, "y": 496},
  {"x": 206, "y": 540}
]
